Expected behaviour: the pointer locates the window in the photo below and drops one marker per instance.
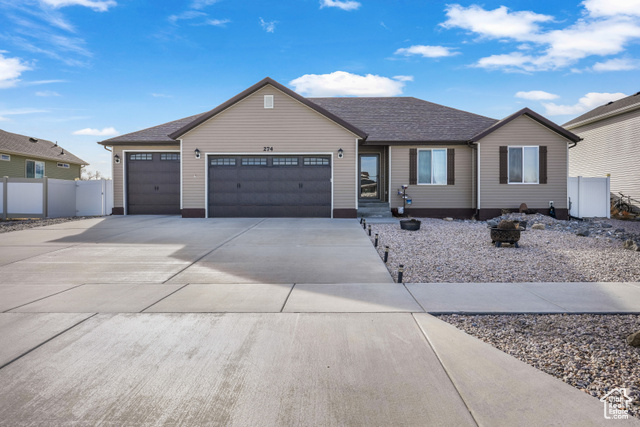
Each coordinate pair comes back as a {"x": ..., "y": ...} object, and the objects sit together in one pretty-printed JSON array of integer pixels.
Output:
[
  {"x": 523, "y": 165},
  {"x": 227, "y": 161},
  {"x": 5, "y": 157},
  {"x": 432, "y": 167},
  {"x": 315, "y": 161},
  {"x": 63, "y": 165},
  {"x": 268, "y": 101},
  {"x": 35, "y": 169},
  {"x": 285, "y": 161},
  {"x": 169, "y": 156},
  {"x": 254, "y": 161},
  {"x": 141, "y": 156}
]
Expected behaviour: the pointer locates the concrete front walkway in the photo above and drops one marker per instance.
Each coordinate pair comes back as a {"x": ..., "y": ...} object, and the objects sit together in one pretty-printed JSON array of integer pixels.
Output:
[{"x": 128, "y": 321}]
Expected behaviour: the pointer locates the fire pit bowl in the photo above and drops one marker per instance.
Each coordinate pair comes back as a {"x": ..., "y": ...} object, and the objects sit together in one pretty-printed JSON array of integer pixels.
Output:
[{"x": 410, "y": 224}]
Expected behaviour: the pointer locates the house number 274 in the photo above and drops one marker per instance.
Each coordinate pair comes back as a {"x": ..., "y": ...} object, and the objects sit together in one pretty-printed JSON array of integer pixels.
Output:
[{"x": 267, "y": 149}]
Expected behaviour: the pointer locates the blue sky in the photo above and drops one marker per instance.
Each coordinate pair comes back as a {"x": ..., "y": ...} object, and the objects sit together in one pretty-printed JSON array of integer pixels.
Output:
[{"x": 81, "y": 71}]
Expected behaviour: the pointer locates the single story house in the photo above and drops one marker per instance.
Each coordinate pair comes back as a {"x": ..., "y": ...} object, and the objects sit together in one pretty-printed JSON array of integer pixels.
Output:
[
  {"x": 610, "y": 145},
  {"x": 27, "y": 157},
  {"x": 270, "y": 152}
]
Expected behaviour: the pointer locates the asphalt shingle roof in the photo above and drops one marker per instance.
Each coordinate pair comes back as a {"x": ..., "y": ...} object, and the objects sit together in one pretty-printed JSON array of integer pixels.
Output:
[
  {"x": 158, "y": 133},
  {"x": 12, "y": 143},
  {"x": 406, "y": 119},
  {"x": 606, "y": 109},
  {"x": 383, "y": 119}
]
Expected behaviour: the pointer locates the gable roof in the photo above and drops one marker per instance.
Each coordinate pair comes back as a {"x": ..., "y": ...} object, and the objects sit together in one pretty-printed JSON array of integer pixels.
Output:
[
  {"x": 533, "y": 115},
  {"x": 406, "y": 119},
  {"x": 13, "y": 143},
  {"x": 264, "y": 82},
  {"x": 607, "y": 110}
]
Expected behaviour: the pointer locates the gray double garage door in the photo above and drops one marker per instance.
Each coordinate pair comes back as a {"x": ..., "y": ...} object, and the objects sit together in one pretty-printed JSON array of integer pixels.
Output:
[
  {"x": 238, "y": 186},
  {"x": 270, "y": 186}
]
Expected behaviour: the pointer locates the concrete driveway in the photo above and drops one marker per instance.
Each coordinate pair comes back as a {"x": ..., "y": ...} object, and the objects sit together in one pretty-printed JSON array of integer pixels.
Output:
[{"x": 151, "y": 321}]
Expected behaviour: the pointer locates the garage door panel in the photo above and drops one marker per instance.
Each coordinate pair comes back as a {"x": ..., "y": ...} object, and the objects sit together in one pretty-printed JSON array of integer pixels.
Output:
[
  {"x": 153, "y": 185},
  {"x": 270, "y": 189}
]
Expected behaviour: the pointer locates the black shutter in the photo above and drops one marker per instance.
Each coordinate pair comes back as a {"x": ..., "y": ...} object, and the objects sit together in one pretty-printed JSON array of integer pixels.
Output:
[
  {"x": 451, "y": 166},
  {"x": 504, "y": 164},
  {"x": 413, "y": 166},
  {"x": 542, "y": 162}
]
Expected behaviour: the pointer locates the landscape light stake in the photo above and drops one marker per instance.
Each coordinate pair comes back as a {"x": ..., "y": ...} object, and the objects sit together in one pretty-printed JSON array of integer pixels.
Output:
[
  {"x": 400, "y": 271},
  {"x": 361, "y": 220},
  {"x": 386, "y": 254},
  {"x": 375, "y": 244},
  {"x": 364, "y": 224},
  {"x": 369, "y": 229}
]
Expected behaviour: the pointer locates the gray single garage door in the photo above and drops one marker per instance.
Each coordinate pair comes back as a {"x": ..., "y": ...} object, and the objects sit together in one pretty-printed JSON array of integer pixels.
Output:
[
  {"x": 153, "y": 183},
  {"x": 270, "y": 186}
]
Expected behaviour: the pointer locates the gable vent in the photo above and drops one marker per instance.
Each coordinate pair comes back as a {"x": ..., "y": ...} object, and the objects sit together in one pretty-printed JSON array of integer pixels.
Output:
[{"x": 268, "y": 101}]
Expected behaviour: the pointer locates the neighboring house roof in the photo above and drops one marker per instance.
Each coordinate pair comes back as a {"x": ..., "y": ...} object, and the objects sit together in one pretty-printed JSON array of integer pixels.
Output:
[
  {"x": 607, "y": 110},
  {"x": 268, "y": 81},
  {"x": 12, "y": 143},
  {"x": 400, "y": 119},
  {"x": 533, "y": 115}
]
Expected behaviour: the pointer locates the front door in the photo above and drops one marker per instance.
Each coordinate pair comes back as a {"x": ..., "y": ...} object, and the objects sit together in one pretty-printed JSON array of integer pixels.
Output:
[{"x": 369, "y": 176}]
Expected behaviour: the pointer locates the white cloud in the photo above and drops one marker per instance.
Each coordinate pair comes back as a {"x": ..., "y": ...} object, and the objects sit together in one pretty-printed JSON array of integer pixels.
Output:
[
  {"x": 161, "y": 95},
  {"x": 201, "y": 4},
  {"x": 96, "y": 132},
  {"x": 268, "y": 26},
  {"x": 618, "y": 64},
  {"x": 47, "y": 93},
  {"x": 97, "y": 5},
  {"x": 536, "y": 95},
  {"x": 586, "y": 103},
  {"x": 189, "y": 14},
  {"x": 43, "y": 82},
  {"x": 340, "y": 4},
  {"x": 612, "y": 7},
  {"x": 217, "y": 22},
  {"x": 606, "y": 29},
  {"x": 10, "y": 71},
  {"x": 426, "y": 51},
  {"x": 341, "y": 83},
  {"x": 497, "y": 23},
  {"x": 17, "y": 112}
]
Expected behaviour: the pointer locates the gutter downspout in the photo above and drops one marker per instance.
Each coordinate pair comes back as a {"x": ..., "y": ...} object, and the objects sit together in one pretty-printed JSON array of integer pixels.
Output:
[
  {"x": 474, "y": 147},
  {"x": 575, "y": 143}
]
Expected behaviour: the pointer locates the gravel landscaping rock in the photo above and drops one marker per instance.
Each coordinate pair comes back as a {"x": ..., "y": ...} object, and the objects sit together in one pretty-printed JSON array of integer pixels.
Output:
[
  {"x": 589, "y": 352},
  {"x": 24, "y": 224},
  {"x": 461, "y": 251}
]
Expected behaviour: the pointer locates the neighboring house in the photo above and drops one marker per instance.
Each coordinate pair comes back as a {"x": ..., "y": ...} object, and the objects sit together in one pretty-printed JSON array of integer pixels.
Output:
[
  {"x": 610, "y": 145},
  {"x": 271, "y": 152},
  {"x": 27, "y": 157}
]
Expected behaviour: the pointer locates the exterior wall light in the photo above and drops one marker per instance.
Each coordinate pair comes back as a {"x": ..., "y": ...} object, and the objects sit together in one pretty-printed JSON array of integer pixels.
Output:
[
  {"x": 116, "y": 158},
  {"x": 197, "y": 153},
  {"x": 340, "y": 153}
]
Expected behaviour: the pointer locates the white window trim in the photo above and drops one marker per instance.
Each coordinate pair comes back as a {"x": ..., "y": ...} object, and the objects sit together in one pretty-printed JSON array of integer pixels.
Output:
[
  {"x": 269, "y": 102},
  {"x": 44, "y": 171},
  {"x": 418, "y": 166},
  {"x": 5, "y": 157},
  {"x": 508, "y": 167}
]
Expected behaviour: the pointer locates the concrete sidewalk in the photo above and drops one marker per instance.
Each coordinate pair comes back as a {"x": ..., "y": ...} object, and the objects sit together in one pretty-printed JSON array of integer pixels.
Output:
[{"x": 114, "y": 323}]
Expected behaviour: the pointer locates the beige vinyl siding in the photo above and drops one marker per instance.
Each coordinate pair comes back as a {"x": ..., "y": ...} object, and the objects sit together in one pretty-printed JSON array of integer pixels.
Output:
[
  {"x": 16, "y": 168},
  {"x": 118, "y": 184},
  {"x": 458, "y": 196},
  {"x": 523, "y": 131},
  {"x": 610, "y": 146},
  {"x": 290, "y": 127}
]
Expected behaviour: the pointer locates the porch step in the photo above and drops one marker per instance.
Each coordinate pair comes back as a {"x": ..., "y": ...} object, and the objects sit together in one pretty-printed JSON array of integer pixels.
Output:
[{"x": 374, "y": 210}]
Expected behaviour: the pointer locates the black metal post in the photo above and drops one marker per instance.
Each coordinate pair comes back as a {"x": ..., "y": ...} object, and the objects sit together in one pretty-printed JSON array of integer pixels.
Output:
[
  {"x": 375, "y": 244},
  {"x": 400, "y": 271},
  {"x": 361, "y": 220},
  {"x": 386, "y": 254},
  {"x": 369, "y": 229},
  {"x": 364, "y": 224}
]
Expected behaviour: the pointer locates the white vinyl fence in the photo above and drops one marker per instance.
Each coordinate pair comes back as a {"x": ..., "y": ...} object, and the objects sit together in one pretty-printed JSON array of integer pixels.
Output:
[
  {"x": 589, "y": 197},
  {"x": 54, "y": 198}
]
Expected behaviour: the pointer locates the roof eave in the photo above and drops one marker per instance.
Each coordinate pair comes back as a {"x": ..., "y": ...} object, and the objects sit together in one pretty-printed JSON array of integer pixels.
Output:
[
  {"x": 262, "y": 83},
  {"x": 603, "y": 116},
  {"x": 416, "y": 142},
  {"x": 109, "y": 143}
]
